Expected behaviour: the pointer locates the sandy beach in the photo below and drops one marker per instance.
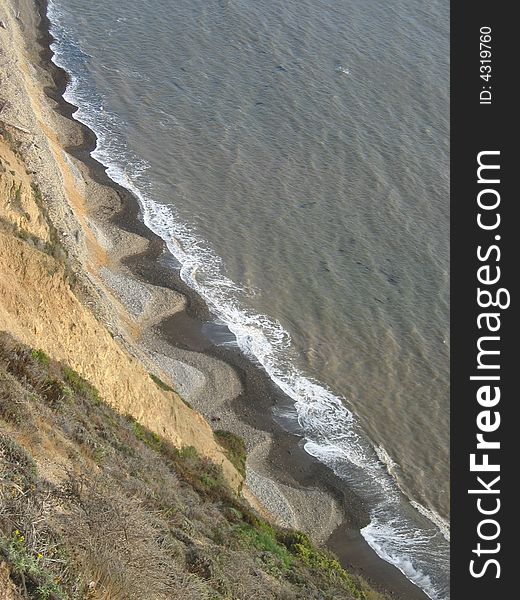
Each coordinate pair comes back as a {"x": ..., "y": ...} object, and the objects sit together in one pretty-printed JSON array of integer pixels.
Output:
[{"x": 129, "y": 280}]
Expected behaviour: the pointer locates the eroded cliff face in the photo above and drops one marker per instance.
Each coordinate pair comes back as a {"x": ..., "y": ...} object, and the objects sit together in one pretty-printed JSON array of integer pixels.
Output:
[
  {"x": 39, "y": 308},
  {"x": 19, "y": 196},
  {"x": 37, "y": 302}
]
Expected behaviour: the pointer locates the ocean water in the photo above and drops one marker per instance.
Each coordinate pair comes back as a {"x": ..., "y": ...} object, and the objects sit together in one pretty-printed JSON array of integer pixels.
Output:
[{"x": 294, "y": 157}]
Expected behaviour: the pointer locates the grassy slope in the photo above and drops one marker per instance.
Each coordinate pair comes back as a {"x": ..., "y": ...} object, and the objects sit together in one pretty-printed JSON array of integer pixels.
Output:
[{"x": 93, "y": 505}]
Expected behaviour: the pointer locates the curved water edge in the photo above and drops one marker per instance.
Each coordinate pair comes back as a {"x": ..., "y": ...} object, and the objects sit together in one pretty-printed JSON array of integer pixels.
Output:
[{"x": 402, "y": 532}]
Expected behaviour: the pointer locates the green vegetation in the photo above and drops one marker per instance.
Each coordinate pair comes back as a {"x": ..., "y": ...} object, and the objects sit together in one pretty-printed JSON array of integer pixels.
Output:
[
  {"x": 127, "y": 514},
  {"x": 263, "y": 537},
  {"x": 160, "y": 383},
  {"x": 30, "y": 568},
  {"x": 235, "y": 448},
  {"x": 167, "y": 388},
  {"x": 41, "y": 357},
  {"x": 300, "y": 546},
  {"x": 151, "y": 439},
  {"x": 81, "y": 385}
]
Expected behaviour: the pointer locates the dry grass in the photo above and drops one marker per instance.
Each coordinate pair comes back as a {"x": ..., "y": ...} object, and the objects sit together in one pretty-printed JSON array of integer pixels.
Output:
[{"x": 95, "y": 506}]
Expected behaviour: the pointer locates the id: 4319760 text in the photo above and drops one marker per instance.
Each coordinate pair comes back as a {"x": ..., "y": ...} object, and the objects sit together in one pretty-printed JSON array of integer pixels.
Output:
[{"x": 485, "y": 65}]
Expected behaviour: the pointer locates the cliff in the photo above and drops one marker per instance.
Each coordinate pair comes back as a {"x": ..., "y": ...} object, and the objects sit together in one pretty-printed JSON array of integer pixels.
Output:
[
  {"x": 39, "y": 305},
  {"x": 111, "y": 485}
]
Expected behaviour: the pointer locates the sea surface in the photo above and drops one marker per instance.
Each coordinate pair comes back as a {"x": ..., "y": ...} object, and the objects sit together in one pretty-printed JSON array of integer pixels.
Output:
[{"x": 294, "y": 157}]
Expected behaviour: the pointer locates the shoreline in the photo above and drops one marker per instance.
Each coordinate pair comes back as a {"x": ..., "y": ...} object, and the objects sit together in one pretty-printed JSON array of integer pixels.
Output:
[{"x": 275, "y": 451}]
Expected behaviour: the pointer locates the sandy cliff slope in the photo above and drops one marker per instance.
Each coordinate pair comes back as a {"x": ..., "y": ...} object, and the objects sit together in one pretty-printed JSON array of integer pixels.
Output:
[{"x": 41, "y": 205}]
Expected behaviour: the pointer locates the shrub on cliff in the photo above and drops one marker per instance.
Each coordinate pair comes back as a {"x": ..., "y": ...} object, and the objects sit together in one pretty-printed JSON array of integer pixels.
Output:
[{"x": 235, "y": 448}]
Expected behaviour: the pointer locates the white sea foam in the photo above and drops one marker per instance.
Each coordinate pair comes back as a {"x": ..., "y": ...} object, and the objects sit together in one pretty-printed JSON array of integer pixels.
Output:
[
  {"x": 434, "y": 517},
  {"x": 387, "y": 460},
  {"x": 396, "y": 546},
  {"x": 393, "y": 536},
  {"x": 332, "y": 433},
  {"x": 392, "y": 467}
]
